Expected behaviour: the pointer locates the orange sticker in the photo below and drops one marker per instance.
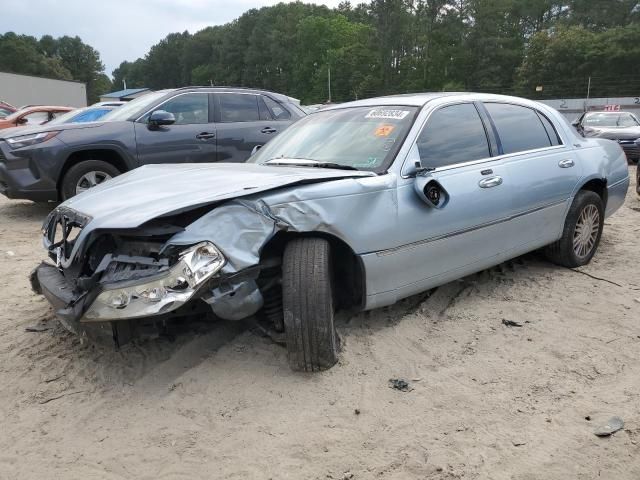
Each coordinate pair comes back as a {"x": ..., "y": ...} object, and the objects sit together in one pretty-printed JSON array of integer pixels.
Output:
[{"x": 384, "y": 130}]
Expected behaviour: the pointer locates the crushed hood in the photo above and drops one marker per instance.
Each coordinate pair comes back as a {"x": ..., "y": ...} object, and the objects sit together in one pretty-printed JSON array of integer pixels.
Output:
[
  {"x": 614, "y": 133},
  {"x": 151, "y": 191}
]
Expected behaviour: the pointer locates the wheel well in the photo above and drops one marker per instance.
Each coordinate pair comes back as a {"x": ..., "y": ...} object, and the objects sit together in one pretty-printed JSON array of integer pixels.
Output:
[
  {"x": 599, "y": 186},
  {"x": 110, "y": 156},
  {"x": 348, "y": 271}
]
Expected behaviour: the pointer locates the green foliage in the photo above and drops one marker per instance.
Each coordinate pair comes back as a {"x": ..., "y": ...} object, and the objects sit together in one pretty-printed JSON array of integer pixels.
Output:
[
  {"x": 375, "y": 48},
  {"x": 65, "y": 58}
]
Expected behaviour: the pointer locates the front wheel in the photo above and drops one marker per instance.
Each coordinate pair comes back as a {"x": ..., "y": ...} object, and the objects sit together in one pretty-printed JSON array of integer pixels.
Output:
[
  {"x": 307, "y": 301},
  {"x": 582, "y": 231},
  {"x": 85, "y": 175}
]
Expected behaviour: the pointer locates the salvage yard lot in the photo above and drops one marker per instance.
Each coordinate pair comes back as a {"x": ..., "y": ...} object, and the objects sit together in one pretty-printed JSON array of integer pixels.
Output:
[{"x": 487, "y": 400}]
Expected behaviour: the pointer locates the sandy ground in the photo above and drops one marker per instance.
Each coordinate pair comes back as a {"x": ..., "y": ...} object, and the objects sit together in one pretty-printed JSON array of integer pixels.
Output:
[{"x": 488, "y": 401}]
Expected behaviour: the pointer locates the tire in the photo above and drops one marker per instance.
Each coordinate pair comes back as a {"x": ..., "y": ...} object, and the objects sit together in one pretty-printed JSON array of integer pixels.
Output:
[
  {"x": 308, "y": 306},
  {"x": 563, "y": 252},
  {"x": 68, "y": 187}
]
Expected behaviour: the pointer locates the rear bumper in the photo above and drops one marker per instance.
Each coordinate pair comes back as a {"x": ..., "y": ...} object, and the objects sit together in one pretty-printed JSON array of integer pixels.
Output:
[
  {"x": 616, "y": 194},
  {"x": 631, "y": 149}
]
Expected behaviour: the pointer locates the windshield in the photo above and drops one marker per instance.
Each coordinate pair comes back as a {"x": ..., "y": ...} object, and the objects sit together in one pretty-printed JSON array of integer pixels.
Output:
[
  {"x": 88, "y": 114},
  {"x": 622, "y": 119},
  {"x": 365, "y": 138},
  {"x": 134, "y": 107}
]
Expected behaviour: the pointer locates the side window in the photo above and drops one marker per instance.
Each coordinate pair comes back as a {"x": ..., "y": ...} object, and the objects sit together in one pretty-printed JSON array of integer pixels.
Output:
[
  {"x": 551, "y": 131},
  {"x": 277, "y": 110},
  {"x": 189, "y": 109},
  {"x": 36, "y": 118},
  {"x": 238, "y": 107},
  {"x": 453, "y": 134},
  {"x": 519, "y": 128}
]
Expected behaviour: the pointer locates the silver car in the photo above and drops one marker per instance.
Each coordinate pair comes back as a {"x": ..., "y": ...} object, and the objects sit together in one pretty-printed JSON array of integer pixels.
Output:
[
  {"x": 352, "y": 208},
  {"x": 622, "y": 127}
]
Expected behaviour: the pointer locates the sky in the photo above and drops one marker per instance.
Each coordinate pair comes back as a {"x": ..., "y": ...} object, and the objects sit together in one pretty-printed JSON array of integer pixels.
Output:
[{"x": 122, "y": 29}]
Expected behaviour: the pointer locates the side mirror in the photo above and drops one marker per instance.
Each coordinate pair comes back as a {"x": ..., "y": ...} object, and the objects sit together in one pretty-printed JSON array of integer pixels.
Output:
[
  {"x": 430, "y": 191},
  {"x": 22, "y": 121},
  {"x": 161, "y": 117}
]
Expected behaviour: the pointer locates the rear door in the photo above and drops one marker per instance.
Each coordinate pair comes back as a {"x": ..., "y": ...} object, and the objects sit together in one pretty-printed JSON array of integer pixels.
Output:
[
  {"x": 543, "y": 172},
  {"x": 243, "y": 123},
  {"x": 192, "y": 138}
]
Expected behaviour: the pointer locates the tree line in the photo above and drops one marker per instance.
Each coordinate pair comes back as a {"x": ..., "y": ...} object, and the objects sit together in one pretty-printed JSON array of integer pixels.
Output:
[
  {"x": 533, "y": 48},
  {"x": 64, "y": 58}
]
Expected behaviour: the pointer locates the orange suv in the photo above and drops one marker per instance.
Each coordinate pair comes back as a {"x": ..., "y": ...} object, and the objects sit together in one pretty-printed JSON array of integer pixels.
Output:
[{"x": 32, "y": 116}]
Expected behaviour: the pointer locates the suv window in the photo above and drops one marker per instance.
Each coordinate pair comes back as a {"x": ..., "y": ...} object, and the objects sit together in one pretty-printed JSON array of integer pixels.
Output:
[
  {"x": 238, "y": 107},
  {"x": 191, "y": 108},
  {"x": 519, "y": 127},
  {"x": 453, "y": 134},
  {"x": 277, "y": 111}
]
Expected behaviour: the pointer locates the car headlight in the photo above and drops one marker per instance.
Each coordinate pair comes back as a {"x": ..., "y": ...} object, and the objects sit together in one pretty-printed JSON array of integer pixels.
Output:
[
  {"x": 31, "y": 139},
  {"x": 161, "y": 293}
]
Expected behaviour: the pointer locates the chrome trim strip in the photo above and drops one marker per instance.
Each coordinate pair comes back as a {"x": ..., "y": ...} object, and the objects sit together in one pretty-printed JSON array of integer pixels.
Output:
[
  {"x": 618, "y": 183},
  {"x": 391, "y": 251}
]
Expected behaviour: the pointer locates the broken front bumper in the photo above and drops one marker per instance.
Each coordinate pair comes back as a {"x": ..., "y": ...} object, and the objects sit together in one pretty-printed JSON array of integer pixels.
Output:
[{"x": 231, "y": 297}]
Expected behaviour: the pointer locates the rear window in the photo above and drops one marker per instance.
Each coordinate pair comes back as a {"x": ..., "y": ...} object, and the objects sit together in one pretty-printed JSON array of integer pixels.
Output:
[
  {"x": 519, "y": 128},
  {"x": 236, "y": 107},
  {"x": 278, "y": 112}
]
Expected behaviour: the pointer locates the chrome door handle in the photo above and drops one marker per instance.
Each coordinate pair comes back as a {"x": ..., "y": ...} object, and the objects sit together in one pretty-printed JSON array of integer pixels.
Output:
[
  {"x": 205, "y": 135},
  {"x": 490, "y": 182},
  {"x": 566, "y": 163}
]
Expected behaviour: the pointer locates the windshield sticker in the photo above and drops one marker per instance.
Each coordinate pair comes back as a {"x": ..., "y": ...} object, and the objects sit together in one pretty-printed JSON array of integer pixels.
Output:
[
  {"x": 388, "y": 144},
  {"x": 384, "y": 130},
  {"x": 384, "y": 113}
]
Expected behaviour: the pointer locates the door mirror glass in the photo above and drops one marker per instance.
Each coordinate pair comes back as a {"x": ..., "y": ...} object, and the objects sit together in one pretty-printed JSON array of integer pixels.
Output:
[{"x": 161, "y": 117}]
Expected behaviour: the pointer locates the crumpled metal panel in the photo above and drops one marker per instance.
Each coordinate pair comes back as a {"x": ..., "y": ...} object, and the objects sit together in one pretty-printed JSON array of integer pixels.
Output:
[{"x": 240, "y": 228}]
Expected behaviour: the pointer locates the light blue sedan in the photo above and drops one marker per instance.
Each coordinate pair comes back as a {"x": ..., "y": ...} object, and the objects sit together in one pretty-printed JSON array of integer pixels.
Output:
[{"x": 353, "y": 207}]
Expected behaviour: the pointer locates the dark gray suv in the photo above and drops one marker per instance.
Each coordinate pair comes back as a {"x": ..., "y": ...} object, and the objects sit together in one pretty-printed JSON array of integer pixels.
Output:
[{"x": 192, "y": 124}]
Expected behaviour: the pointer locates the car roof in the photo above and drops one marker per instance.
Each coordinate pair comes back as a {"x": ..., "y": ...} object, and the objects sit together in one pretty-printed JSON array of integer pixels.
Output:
[
  {"x": 278, "y": 96},
  {"x": 46, "y": 107},
  {"x": 421, "y": 99}
]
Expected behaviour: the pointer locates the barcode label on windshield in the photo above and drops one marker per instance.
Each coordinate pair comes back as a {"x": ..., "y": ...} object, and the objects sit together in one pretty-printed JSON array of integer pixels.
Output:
[{"x": 388, "y": 114}]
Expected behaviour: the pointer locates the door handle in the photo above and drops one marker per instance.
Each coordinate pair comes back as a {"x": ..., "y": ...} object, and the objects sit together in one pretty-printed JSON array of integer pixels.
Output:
[
  {"x": 268, "y": 130},
  {"x": 490, "y": 182},
  {"x": 566, "y": 163},
  {"x": 205, "y": 135}
]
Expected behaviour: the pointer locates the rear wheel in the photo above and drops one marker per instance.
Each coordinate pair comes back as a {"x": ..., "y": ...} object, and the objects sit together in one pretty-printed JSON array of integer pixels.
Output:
[
  {"x": 86, "y": 175},
  {"x": 308, "y": 306},
  {"x": 582, "y": 231}
]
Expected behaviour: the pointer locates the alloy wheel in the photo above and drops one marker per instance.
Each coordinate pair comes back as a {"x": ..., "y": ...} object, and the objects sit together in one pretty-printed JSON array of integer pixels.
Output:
[
  {"x": 586, "y": 231},
  {"x": 90, "y": 180}
]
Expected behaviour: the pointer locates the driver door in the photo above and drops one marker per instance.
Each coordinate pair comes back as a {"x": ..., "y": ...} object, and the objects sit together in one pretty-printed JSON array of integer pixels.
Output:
[
  {"x": 192, "y": 138},
  {"x": 468, "y": 230}
]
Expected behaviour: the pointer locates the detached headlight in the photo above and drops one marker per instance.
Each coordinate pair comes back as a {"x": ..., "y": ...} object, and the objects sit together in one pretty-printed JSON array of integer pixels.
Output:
[
  {"x": 161, "y": 293},
  {"x": 32, "y": 139}
]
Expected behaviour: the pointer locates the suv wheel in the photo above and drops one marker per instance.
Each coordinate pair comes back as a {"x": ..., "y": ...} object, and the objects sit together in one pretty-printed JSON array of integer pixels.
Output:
[
  {"x": 86, "y": 175},
  {"x": 307, "y": 295},
  {"x": 582, "y": 231}
]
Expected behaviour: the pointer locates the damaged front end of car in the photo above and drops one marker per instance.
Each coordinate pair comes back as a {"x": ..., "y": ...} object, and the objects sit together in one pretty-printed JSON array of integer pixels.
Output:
[{"x": 124, "y": 282}]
